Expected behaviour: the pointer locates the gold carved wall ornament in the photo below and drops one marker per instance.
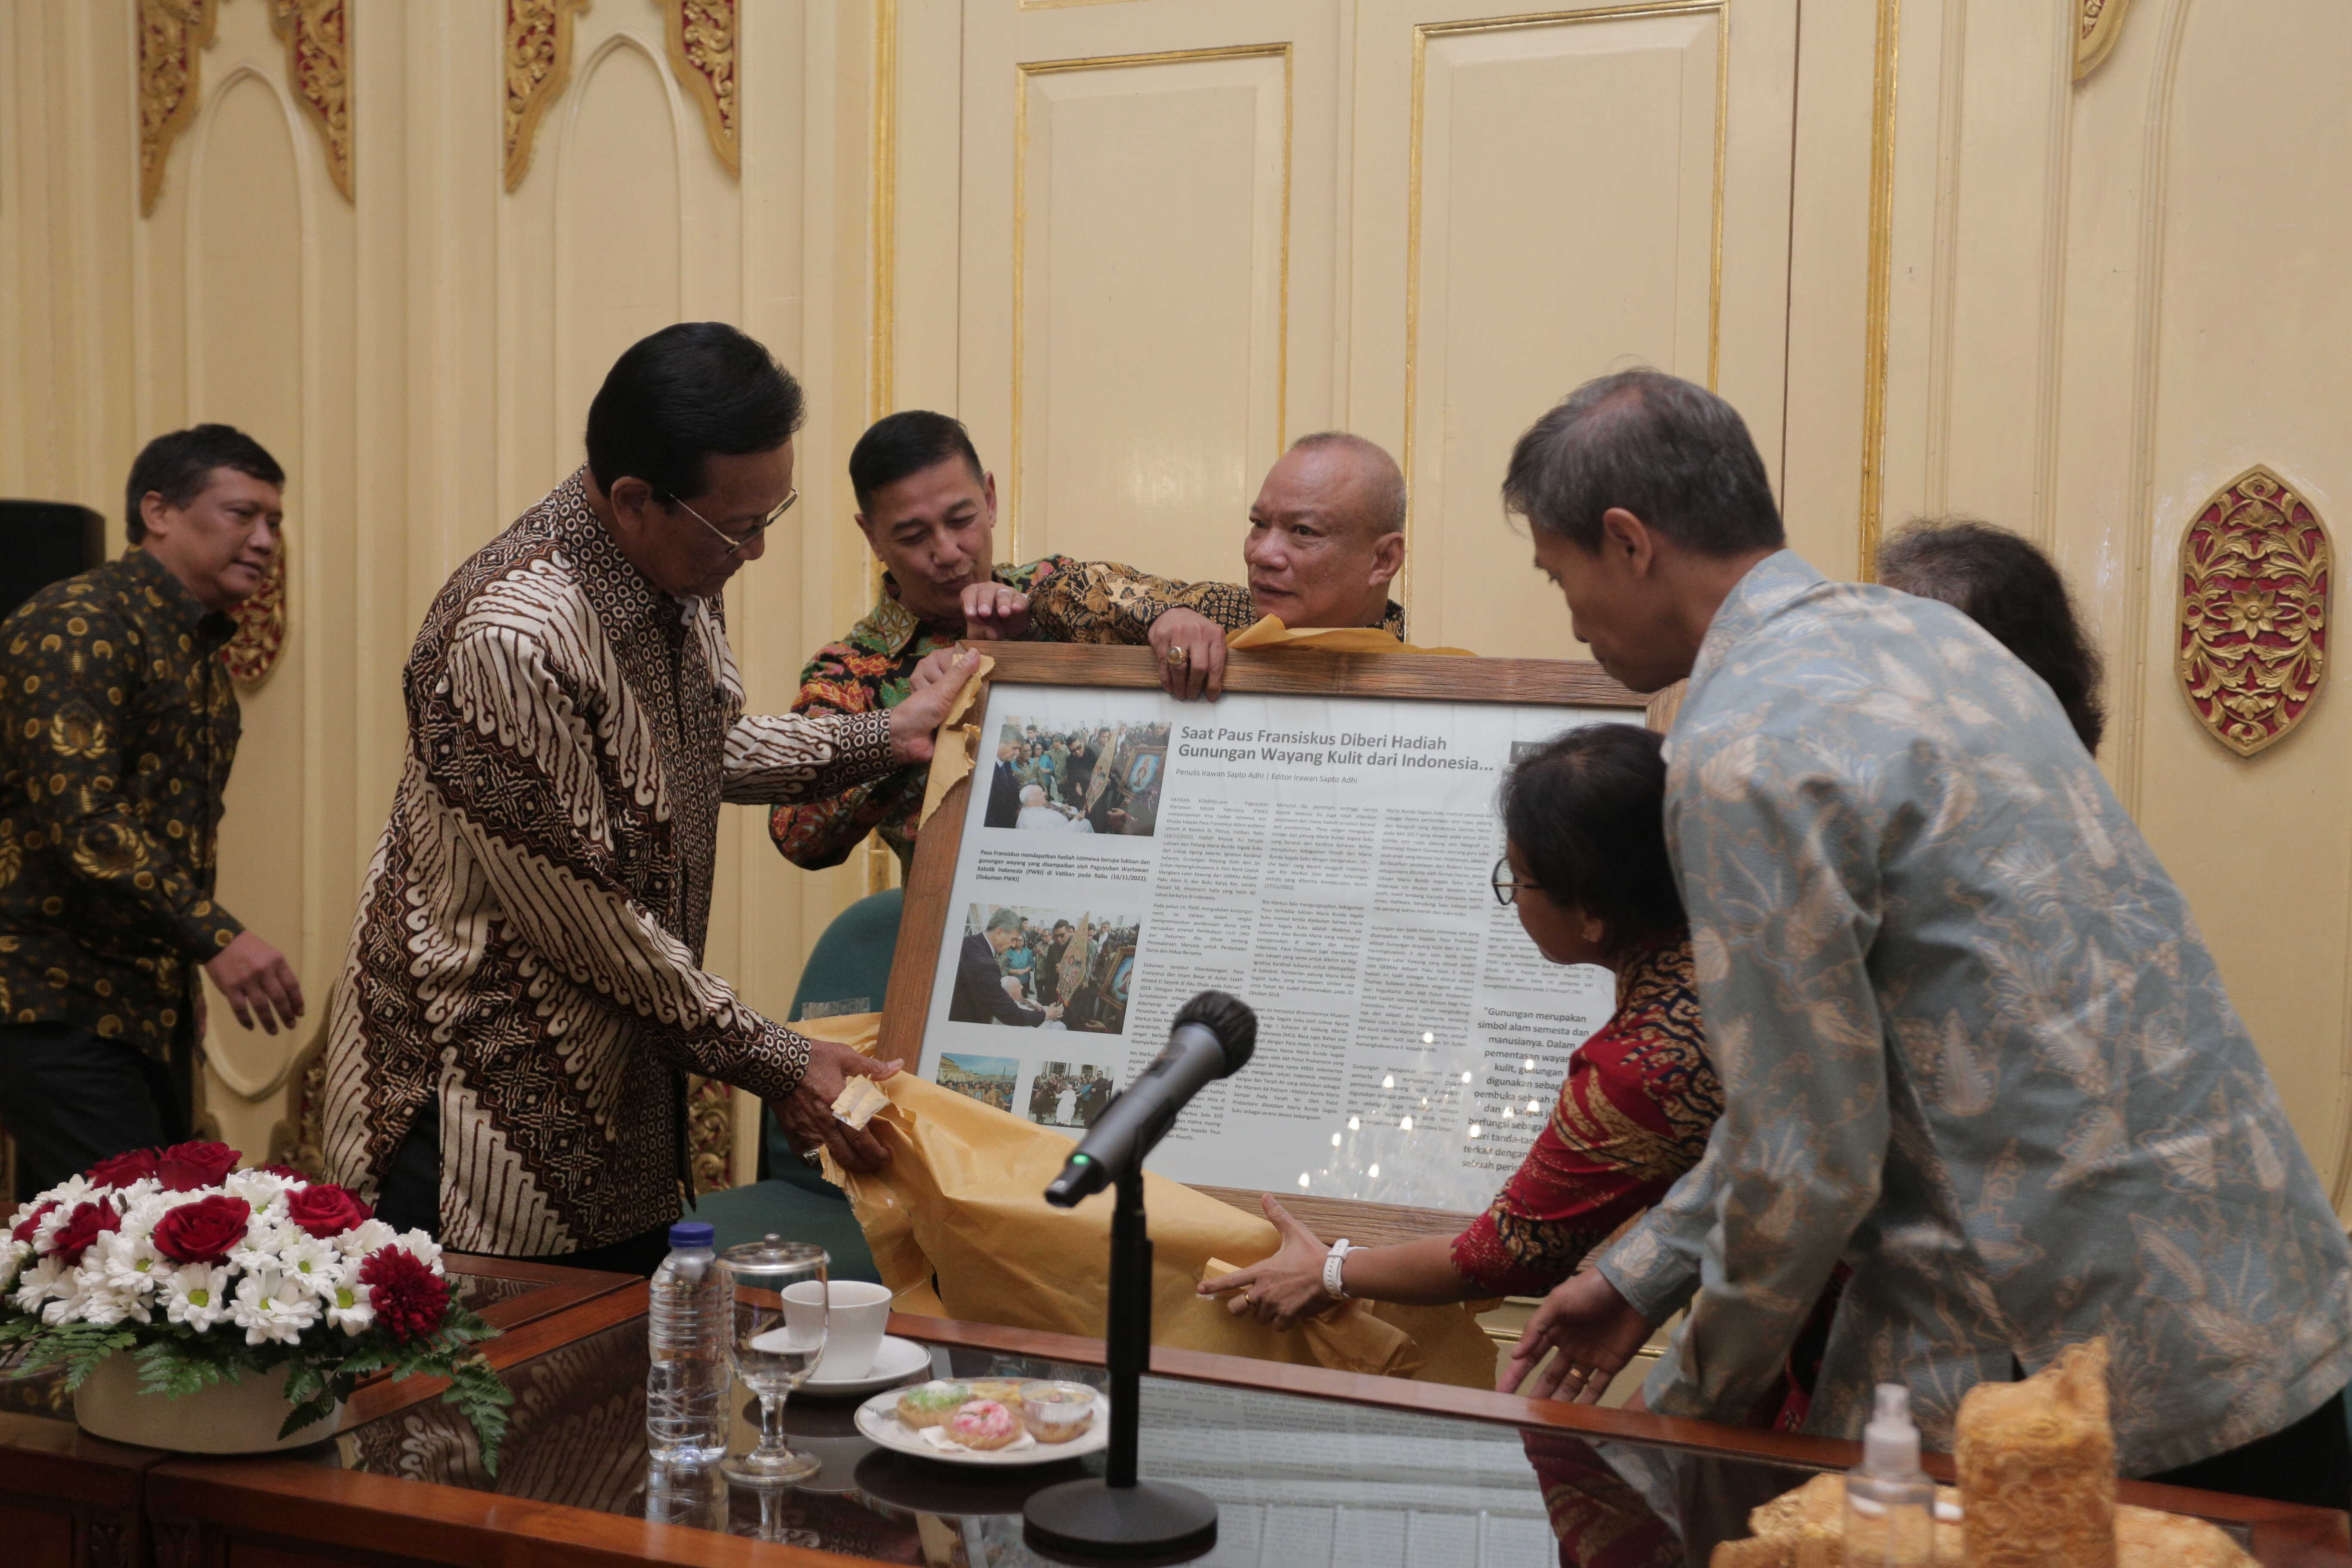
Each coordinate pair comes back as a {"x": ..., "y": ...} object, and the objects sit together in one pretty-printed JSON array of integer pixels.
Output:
[
  {"x": 538, "y": 65},
  {"x": 170, "y": 32},
  {"x": 710, "y": 1134},
  {"x": 317, "y": 34},
  {"x": 2098, "y": 24},
  {"x": 2255, "y": 565},
  {"x": 702, "y": 57},
  {"x": 251, "y": 653}
]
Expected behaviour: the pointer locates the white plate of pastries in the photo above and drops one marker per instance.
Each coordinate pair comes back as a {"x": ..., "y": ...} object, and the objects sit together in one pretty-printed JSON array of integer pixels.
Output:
[{"x": 995, "y": 1422}]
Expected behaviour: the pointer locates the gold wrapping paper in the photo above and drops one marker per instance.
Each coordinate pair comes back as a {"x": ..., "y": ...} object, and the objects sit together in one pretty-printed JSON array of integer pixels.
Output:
[
  {"x": 962, "y": 1202},
  {"x": 1271, "y": 632}
]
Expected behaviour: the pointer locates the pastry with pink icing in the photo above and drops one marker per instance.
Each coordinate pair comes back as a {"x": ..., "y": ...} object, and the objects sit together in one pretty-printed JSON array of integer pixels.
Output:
[{"x": 983, "y": 1424}]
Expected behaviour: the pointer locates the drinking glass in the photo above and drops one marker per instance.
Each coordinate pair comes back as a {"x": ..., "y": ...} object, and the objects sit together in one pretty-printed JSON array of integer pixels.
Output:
[{"x": 772, "y": 1355}]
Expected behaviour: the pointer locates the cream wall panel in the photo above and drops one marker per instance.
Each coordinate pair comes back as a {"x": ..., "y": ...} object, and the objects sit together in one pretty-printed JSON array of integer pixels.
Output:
[
  {"x": 1167, "y": 241},
  {"x": 1598, "y": 251},
  {"x": 1150, "y": 202},
  {"x": 2254, "y": 364}
]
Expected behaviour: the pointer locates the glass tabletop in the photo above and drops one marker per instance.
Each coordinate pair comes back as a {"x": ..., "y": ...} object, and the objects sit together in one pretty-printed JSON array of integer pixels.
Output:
[{"x": 1295, "y": 1478}]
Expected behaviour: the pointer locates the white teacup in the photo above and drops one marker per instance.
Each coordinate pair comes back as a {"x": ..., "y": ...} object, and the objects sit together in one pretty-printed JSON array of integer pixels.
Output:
[{"x": 854, "y": 1314}]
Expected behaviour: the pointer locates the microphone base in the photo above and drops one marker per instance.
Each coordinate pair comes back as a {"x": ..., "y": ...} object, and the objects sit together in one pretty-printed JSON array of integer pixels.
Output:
[{"x": 1091, "y": 1518}]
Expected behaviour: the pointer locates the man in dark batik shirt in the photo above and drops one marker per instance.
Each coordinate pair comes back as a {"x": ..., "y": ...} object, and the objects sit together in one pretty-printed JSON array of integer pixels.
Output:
[
  {"x": 929, "y": 510},
  {"x": 118, "y": 725}
]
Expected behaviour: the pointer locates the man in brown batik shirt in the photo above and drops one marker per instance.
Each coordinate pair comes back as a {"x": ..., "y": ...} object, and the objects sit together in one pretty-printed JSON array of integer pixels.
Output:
[{"x": 118, "y": 725}]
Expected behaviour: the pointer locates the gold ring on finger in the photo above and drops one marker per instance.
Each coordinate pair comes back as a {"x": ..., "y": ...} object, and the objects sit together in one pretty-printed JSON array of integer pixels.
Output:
[{"x": 1179, "y": 658}]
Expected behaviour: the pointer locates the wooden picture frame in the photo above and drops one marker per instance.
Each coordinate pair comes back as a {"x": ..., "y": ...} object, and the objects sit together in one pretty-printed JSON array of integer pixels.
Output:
[{"x": 914, "y": 965}]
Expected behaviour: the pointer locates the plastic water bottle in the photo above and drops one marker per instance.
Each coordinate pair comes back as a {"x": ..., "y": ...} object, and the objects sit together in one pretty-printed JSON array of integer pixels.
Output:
[
  {"x": 686, "y": 1332},
  {"x": 1890, "y": 1503}
]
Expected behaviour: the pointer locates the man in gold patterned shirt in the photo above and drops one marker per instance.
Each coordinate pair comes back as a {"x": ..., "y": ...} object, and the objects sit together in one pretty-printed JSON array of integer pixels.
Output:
[
  {"x": 1325, "y": 539},
  {"x": 118, "y": 725}
]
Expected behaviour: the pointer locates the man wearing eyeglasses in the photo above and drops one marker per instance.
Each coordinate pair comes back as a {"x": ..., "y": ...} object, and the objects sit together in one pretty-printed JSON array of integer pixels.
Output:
[{"x": 525, "y": 995}]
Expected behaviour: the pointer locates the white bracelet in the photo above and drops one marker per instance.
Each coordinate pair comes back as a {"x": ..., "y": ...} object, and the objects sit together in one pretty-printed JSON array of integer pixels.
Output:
[{"x": 1331, "y": 1285}]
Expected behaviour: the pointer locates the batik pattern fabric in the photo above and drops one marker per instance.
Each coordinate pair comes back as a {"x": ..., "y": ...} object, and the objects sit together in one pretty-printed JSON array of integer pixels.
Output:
[
  {"x": 1972, "y": 1044},
  {"x": 871, "y": 670},
  {"x": 118, "y": 727},
  {"x": 529, "y": 948},
  {"x": 1632, "y": 1115}
]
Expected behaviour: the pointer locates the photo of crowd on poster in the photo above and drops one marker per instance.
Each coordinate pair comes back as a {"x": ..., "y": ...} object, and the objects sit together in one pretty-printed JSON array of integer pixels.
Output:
[
  {"x": 1060, "y": 777},
  {"x": 988, "y": 1079},
  {"x": 1042, "y": 969},
  {"x": 1069, "y": 1094}
]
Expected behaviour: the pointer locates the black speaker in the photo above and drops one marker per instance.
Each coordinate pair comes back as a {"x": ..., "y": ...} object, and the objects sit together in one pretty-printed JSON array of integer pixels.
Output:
[{"x": 42, "y": 542}]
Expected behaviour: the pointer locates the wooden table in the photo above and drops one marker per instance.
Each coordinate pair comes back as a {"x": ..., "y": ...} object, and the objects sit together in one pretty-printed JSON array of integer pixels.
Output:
[{"x": 1307, "y": 1464}]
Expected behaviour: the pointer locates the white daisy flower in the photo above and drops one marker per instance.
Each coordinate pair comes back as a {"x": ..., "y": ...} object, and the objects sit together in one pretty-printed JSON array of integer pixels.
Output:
[
  {"x": 130, "y": 1260},
  {"x": 349, "y": 1309},
  {"x": 264, "y": 1245},
  {"x": 103, "y": 1304},
  {"x": 316, "y": 1263},
  {"x": 427, "y": 1250},
  {"x": 368, "y": 1235},
  {"x": 68, "y": 1193},
  {"x": 77, "y": 1289},
  {"x": 196, "y": 1294},
  {"x": 260, "y": 1188},
  {"x": 46, "y": 1276},
  {"x": 270, "y": 1306}
]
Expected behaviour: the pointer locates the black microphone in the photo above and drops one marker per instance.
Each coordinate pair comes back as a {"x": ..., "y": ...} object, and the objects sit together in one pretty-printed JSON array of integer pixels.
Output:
[{"x": 1213, "y": 1035}]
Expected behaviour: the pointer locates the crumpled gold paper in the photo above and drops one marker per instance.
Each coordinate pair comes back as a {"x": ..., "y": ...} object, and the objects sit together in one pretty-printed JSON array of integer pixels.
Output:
[
  {"x": 1270, "y": 633},
  {"x": 962, "y": 1203}
]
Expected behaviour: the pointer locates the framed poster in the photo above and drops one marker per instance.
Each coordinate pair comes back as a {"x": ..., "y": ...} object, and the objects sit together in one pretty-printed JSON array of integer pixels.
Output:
[{"x": 1320, "y": 842}]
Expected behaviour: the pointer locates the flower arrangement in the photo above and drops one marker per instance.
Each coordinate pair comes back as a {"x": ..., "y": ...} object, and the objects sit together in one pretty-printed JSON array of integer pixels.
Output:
[{"x": 205, "y": 1272}]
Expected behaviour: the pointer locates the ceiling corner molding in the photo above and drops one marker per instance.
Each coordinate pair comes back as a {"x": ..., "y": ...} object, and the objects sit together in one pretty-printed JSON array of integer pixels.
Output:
[
  {"x": 2098, "y": 24},
  {"x": 538, "y": 66},
  {"x": 317, "y": 35},
  {"x": 702, "y": 35},
  {"x": 2255, "y": 569},
  {"x": 172, "y": 33}
]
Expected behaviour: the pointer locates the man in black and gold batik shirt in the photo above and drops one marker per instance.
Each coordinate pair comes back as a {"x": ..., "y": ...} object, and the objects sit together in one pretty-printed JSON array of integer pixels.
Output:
[
  {"x": 118, "y": 727},
  {"x": 928, "y": 511}
]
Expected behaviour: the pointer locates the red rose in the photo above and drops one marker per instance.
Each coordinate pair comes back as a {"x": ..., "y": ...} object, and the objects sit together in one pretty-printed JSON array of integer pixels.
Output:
[
  {"x": 203, "y": 1231},
  {"x": 88, "y": 1222},
  {"x": 32, "y": 1222},
  {"x": 185, "y": 1167},
  {"x": 409, "y": 1299},
  {"x": 325, "y": 1209},
  {"x": 121, "y": 1170}
]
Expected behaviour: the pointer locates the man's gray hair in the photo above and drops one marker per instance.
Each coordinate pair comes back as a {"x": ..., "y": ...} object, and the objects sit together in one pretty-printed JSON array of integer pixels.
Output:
[
  {"x": 1383, "y": 480},
  {"x": 1665, "y": 450},
  {"x": 1004, "y": 919}
]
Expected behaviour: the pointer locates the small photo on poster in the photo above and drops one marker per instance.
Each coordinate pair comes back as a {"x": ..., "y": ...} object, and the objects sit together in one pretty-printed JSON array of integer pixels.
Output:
[
  {"x": 1069, "y": 1094},
  {"x": 1076, "y": 776},
  {"x": 988, "y": 1079},
  {"x": 1045, "y": 969}
]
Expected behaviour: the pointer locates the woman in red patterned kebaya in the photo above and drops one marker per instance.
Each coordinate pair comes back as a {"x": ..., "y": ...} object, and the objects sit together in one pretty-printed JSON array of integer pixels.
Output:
[{"x": 1585, "y": 866}]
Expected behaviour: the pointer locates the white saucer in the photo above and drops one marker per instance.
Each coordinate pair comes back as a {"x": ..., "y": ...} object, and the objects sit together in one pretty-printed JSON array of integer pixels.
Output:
[
  {"x": 878, "y": 1418},
  {"x": 895, "y": 1361}
]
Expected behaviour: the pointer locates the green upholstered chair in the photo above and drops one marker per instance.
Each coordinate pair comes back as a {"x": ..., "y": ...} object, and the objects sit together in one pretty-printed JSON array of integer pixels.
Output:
[{"x": 848, "y": 971}]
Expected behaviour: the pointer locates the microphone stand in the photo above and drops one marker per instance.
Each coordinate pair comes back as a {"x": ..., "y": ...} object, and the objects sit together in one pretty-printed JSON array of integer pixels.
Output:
[{"x": 1118, "y": 1515}]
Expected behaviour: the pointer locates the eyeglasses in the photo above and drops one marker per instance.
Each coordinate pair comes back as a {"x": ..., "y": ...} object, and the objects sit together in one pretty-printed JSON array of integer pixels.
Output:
[
  {"x": 739, "y": 542},
  {"x": 1508, "y": 887}
]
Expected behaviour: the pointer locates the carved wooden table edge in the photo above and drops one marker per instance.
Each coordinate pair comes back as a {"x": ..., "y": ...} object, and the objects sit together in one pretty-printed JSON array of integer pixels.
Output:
[
  {"x": 195, "y": 1507},
  {"x": 2293, "y": 1532}
]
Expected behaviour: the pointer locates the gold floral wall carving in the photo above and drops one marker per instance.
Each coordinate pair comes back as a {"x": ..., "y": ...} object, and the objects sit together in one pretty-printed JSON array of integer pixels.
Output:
[
  {"x": 2098, "y": 24},
  {"x": 538, "y": 66},
  {"x": 317, "y": 34},
  {"x": 260, "y": 636},
  {"x": 710, "y": 1134},
  {"x": 702, "y": 55},
  {"x": 171, "y": 33},
  {"x": 2255, "y": 566}
]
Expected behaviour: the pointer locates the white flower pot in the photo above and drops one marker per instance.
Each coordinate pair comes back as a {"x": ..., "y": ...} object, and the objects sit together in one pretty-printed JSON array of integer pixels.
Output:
[{"x": 240, "y": 1417}]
